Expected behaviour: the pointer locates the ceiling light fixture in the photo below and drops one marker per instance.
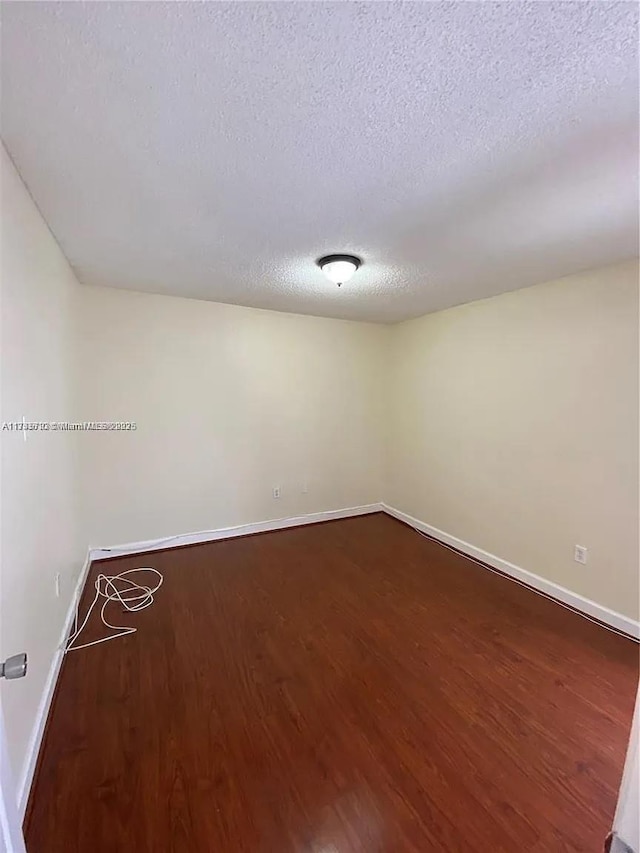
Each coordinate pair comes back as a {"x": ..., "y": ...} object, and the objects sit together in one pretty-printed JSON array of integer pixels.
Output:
[{"x": 339, "y": 268}]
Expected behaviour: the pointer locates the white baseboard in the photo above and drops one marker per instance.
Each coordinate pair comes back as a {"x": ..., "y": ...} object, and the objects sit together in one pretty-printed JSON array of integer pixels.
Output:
[
  {"x": 135, "y": 548},
  {"x": 37, "y": 732},
  {"x": 202, "y": 536},
  {"x": 577, "y": 602}
]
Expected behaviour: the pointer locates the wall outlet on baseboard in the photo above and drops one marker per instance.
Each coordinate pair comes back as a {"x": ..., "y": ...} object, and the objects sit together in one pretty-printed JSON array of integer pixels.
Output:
[
  {"x": 57, "y": 584},
  {"x": 276, "y": 491},
  {"x": 580, "y": 554}
]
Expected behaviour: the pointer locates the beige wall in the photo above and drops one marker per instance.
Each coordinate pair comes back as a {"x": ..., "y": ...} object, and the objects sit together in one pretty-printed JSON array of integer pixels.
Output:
[
  {"x": 39, "y": 529},
  {"x": 229, "y": 402},
  {"x": 511, "y": 423},
  {"x": 514, "y": 426}
]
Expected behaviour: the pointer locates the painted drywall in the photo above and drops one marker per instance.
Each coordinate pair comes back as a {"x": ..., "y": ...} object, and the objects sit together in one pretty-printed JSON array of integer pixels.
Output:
[
  {"x": 39, "y": 516},
  {"x": 229, "y": 402},
  {"x": 514, "y": 426}
]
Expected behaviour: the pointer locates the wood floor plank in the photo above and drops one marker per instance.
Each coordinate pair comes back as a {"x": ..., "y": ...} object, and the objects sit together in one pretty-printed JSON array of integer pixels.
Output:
[{"x": 348, "y": 686}]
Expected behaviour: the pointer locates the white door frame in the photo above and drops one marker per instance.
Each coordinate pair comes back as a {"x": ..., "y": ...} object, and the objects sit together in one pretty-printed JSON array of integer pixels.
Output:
[
  {"x": 11, "y": 838},
  {"x": 626, "y": 824}
]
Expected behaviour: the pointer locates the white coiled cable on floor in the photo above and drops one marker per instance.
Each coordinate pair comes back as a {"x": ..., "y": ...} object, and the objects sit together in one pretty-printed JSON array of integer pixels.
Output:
[{"x": 131, "y": 595}]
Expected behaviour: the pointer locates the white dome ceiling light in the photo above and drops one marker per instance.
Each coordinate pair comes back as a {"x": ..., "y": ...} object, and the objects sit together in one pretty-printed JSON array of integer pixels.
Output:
[{"x": 339, "y": 268}]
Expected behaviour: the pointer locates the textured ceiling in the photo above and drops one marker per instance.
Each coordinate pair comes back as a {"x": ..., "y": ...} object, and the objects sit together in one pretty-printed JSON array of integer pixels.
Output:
[{"x": 216, "y": 150}]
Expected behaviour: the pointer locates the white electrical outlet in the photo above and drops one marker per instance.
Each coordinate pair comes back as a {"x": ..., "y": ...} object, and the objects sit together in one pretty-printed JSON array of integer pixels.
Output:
[
  {"x": 580, "y": 554},
  {"x": 276, "y": 491},
  {"x": 57, "y": 584},
  {"x": 305, "y": 488}
]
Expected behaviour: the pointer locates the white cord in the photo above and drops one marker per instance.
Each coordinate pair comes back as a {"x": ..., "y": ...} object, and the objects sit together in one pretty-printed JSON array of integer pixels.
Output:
[
  {"x": 526, "y": 586},
  {"x": 152, "y": 544},
  {"x": 131, "y": 595}
]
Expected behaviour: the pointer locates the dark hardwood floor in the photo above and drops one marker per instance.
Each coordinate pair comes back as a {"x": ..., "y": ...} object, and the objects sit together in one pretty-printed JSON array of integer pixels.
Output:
[{"x": 348, "y": 686}]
